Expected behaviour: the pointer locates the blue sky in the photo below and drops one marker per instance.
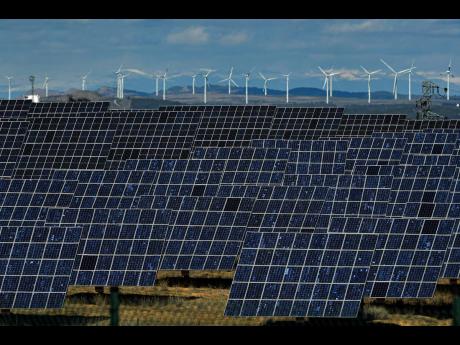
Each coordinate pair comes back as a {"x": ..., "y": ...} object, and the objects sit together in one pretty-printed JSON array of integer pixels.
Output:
[{"x": 66, "y": 49}]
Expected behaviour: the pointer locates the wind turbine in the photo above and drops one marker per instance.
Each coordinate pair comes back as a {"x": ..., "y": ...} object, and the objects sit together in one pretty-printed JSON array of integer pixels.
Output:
[
  {"x": 230, "y": 81},
  {"x": 9, "y": 87},
  {"x": 45, "y": 86},
  {"x": 164, "y": 77},
  {"x": 205, "y": 75},
  {"x": 193, "y": 83},
  {"x": 266, "y": 80},
  {"x": 328, "y": 82},
  {"x": 119, "y": 82},
  {"x": 449, "y": 74},
  {"x": 287, "y": 86},
  {"x": 83, "y": 81},
  {"x": 246, "y": 82},
  {"x": 409, "y": 71},
  {"x": 396, "y": 75},
  {"x": 369, "y": 74}
]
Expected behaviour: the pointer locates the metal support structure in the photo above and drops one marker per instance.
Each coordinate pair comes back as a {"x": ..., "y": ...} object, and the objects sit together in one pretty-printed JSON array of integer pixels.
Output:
[
  {"x": 114, "y": 306},
  {"x": 423, "y": 104}
]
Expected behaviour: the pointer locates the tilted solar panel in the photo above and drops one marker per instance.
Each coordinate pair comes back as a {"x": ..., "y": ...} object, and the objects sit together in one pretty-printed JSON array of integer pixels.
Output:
[
  {"x": 15, "y": 108},
  {"x": 233, "y": 126},
  {"x": 28, "y": 201},
  {"x": 80, "y": 141},
  {"x": 125, "y": 251},
  {"x": 56, "y": 109},
  {"x": 12, "y": 135},
  {"x": 420, "y": 191},
  {"x": 305, "y": 123},
  {"x": 247, "y": 165},
  {"x": 408, "y": 254},
  {"x": 205, "y": 233},
  {"x": 35, "y": 265},
  {"x": 154, "y": 135},
  {"x": 365, "y": 124},
  {"x": 364, "y": 194},
  {"x": 287, "y": 209},
  {"x": 374, "y": 151},
  {"x": 299, "y": 274}
]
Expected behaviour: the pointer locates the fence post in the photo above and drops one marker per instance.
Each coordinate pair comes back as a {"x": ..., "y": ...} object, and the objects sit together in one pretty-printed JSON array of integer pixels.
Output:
[{"x": 114, "y": 306}]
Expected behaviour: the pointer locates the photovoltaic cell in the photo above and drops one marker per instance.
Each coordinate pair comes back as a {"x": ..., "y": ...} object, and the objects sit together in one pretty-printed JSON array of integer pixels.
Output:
[
  {"x": 205, "y": 232},
  {"x": 287, "y": 209},
  {"x": 364, "y": 194},
  {"x": 247, "y": 165},
  {"x": 29, "y": 200},
  {"x": 125, "y": 253},
  {"x": 374, "y": 151},
  {"x": 305, "y": 123},
  {"x": 408, "y": 254},
  {"x": 35, "y": 265},
  {"x": 298, "y": 274},
  {"x": 154, "y": 135},
  {"x": 12, "y": 135},
  {"x": 79, "y": 141},
  {"x": 233, "y": 126},
  {"x": 420, "y": 191}
]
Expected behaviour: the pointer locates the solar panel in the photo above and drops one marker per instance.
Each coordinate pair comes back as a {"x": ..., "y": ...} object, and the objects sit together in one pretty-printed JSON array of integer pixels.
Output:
[
  {"x": 79, "y": 141},
  {"x": 233, "y": 126},
  {"x": 108, "y": 189},
  {"x": 14, "y": 108},
  {"x": 29, "y": 200},
  {"x": 124, "y": 252},
  {"x": 57, "y": 109},
  {"x": 420, "y": 191},
  {"x": 205, "y": 232},
  {"x": 299, "y": 274},
  {"x": 314, "y": 158},
  {"x": 247, "y": 165},
  {"x": 35, "y": 265},
  {"x": 12, "y": 135},
  {"x": 374, "y": 151},
  {"x": 364, "y": 194},
  {"x": 365, "y": 124},
  {"x": 305, "y": 123},
  {"x": 408, "y": 254},
  {"x": 154, "y": 135},
  {"x": 287, "y": 209}
]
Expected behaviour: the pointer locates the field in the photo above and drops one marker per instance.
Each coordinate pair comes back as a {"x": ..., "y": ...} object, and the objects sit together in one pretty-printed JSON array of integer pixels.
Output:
[{"x": 200, "y": 299}]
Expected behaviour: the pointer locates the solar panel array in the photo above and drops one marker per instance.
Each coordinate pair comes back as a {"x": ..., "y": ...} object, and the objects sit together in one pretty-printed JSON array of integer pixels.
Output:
[{"x": 313, "y": 209}]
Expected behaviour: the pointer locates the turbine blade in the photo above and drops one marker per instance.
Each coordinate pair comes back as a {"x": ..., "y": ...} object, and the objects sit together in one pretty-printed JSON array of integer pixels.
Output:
[
  {"x": 389, "y": 67},
  {"x": 262, "y": 76},
  {"x": 234, "y": 82},
  {"x": 365, "y": 70},
  {"x": 325, "y": 81},
  {"x": 322, "y": 71}
]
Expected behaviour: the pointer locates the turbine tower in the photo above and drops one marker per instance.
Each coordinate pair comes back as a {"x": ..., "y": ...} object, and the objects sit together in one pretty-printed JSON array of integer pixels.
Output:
[
  {"x": 449, "y": 75},
  {"x": 9, "y": 87},
  {"x": 409, "y": 71},
  {"x": 165, "y": 77},
  {"x": 45, "y": 86},
  {"x": 83, "y": 81},
  {"x": 396, "y": 75},
  {"x": 266, "y": 80},
  {"x": 119, "y": 74},
  {"x": 246, "y": 82},
  {"x": 287, "y": 86},
  {"x": 193, "y": 83},
  {"x": 369, "y": 74},
  {"x": 230, "y": 81},
  {"x": 157, "y": 78},
  {"x": 205, "y": 74}
]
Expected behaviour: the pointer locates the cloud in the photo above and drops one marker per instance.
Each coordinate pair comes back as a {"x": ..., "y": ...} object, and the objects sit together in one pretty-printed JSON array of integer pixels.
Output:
[
  {"x": 347, "y": 74},
  {"x": 435, "y": 75},
  {"x": 234, "y": 38},
  {"x": 364, "y": 26},
  {"x": 190, "y": 35}
]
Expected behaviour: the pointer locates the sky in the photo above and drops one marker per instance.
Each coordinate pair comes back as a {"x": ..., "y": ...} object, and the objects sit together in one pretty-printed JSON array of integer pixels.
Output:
[{"x": 66, "y": 49}]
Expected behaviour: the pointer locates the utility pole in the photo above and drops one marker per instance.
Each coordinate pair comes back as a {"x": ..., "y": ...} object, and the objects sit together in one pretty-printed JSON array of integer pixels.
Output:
[{"x": 114, "y": 306}]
